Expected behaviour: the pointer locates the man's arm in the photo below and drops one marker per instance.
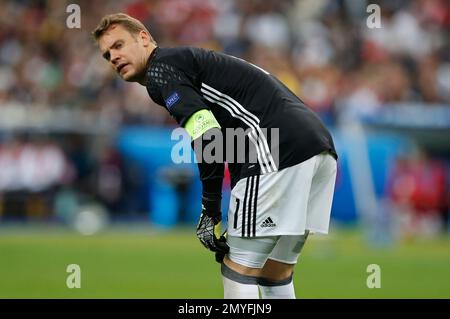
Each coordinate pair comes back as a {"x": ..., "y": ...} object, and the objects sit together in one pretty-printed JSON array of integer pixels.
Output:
[
  {"x": 174, "y": 89},
  {"x": 200, "y": 126}
]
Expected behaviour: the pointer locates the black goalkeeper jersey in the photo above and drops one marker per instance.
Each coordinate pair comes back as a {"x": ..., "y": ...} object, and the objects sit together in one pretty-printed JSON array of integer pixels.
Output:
[{"x": 185, "y": 80}]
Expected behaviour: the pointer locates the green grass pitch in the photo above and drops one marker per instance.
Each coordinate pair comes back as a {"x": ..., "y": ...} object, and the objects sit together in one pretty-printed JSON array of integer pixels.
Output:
[{"x": 145, "y": 263}]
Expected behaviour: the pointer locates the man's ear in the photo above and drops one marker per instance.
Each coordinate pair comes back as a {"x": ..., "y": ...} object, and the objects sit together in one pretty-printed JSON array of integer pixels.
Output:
[{"x": 144, "y": 37}]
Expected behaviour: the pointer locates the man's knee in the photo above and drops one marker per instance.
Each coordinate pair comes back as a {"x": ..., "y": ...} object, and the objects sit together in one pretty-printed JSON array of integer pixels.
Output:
[
  {"x": 278, "y": 275},
  {"x": 241, "y": 269},
  {"x": 277, "y": 271},
  {"x": 272, "y": 270}
]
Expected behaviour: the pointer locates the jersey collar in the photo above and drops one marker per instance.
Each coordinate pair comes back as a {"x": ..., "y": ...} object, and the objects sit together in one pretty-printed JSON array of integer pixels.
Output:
[{"x": 149, "y": 62}]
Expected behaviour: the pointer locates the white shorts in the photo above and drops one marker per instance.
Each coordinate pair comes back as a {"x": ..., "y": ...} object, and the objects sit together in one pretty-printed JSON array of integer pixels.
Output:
[
  {"x": 287, "y": 202},
  {"x": 254, "y": 252}
]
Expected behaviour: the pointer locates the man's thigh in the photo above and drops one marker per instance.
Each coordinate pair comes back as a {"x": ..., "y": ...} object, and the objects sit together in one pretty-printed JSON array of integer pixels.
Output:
[
  {"x": 254, "y": 252},
  {"x": 288, "y": 248}
]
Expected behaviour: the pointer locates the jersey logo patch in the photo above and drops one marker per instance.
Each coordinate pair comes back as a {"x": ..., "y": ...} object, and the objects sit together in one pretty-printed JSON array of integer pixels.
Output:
[
  {"x": 171, "y": 100},
  {"x": 268, "y": 223}
]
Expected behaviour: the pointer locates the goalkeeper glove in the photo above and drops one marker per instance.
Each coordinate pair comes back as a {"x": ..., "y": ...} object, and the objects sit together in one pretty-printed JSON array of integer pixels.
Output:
[
  {"x": 219, "y": 254},
  {"x": 208, "y": 229}
]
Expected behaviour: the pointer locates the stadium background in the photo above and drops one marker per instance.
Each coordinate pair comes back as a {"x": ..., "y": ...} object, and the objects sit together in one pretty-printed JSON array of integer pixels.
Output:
[{"x": 86, "y": 176}]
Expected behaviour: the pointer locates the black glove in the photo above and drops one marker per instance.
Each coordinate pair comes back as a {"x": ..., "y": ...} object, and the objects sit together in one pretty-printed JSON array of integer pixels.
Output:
[
  {"x": 208, "y": 231},
  {"x": 220, "y": 255}
]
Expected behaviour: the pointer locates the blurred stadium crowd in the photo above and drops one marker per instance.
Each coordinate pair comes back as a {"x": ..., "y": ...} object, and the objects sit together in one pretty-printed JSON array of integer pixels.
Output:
[{"x": 321, "y": 49}]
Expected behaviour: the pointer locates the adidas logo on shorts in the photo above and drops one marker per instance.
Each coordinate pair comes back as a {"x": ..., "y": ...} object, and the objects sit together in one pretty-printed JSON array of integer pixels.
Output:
[{"x": 268, "y": 223}]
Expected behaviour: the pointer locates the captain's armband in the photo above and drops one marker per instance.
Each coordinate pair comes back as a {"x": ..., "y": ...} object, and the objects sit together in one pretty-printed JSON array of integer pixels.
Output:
[{"x": 200, "y": 122}]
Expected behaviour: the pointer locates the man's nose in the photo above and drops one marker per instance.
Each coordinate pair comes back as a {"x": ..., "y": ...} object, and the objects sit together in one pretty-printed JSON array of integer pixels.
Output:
[{"x": 114, "y": 58}]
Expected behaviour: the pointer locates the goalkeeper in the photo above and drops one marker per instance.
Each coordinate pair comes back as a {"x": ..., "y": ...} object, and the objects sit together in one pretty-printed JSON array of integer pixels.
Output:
[{"x": 277, "y": 200}]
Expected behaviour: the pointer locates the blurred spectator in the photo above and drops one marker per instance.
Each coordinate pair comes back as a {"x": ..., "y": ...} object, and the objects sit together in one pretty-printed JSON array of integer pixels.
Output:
[
  {"x": 109, "y": 179},
  {"x": 418, "y": 190},
  {"x": 33, "y": 166},
  {"x": 31, "y": 171}
]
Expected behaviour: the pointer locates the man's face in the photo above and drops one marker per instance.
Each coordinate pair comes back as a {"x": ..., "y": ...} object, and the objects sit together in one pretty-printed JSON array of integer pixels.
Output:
[{"x": 126, "y": 53}]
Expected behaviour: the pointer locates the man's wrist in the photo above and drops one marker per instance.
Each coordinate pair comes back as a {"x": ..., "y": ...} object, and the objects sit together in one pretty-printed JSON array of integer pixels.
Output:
[
  {"x": 211, "y": 204},
  {"x": 212, "y": 196}
]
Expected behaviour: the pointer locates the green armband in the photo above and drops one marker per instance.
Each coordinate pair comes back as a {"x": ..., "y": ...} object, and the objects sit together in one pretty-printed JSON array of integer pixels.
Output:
[{"x": 200, "y": 122}]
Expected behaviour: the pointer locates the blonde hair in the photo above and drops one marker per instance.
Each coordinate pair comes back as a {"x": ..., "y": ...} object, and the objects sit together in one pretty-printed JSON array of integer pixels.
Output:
[{"x": 132, "y": 25}]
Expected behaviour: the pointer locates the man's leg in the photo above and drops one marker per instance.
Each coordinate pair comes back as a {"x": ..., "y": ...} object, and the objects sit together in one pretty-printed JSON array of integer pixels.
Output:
[
  {"x": 276, "y": 277},
  {"x": 266, "y": 263},
  {"x": 239, "y": 282},
  {"x": 276, "y": 280},
  {"x": 242, "y": 267}
]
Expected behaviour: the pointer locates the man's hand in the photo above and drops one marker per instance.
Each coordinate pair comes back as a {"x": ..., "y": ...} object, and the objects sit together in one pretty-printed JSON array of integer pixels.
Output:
[
  {"x": 208, "y": 231},
  {"x": 220, "y": 255}
]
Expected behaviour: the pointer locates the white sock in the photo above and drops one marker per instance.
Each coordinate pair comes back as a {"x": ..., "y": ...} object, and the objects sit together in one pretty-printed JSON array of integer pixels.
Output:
[
  {"x": 278, "y": 292},
  {"x": 236, "y": 290}
]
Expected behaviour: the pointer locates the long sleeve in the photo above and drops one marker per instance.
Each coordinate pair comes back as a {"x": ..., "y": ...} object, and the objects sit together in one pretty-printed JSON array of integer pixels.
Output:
[{"x": 211, "y": 172}]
